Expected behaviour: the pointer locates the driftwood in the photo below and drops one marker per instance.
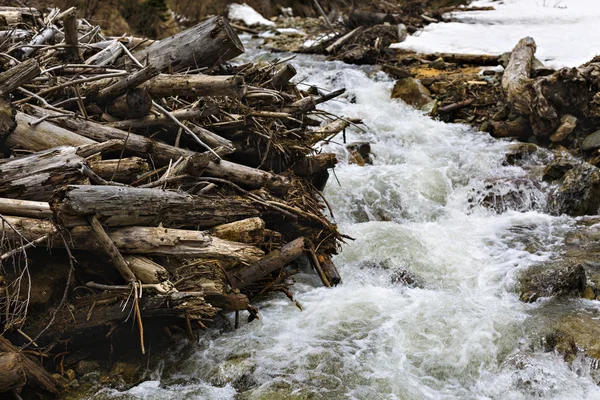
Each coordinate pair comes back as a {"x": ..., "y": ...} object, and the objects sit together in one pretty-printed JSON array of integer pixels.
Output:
[
  {"x": 13, "y": 78},
  {"x": 12, "y": 373},
  {"x": 134, "y": 104},
  {"x": 469, "y": 59},
  {"x": 515, "y": 81},
  {"x": 271, "y": 262},
  {"x": 195, "y": 85},
  {"x": 207, "y": 44}
]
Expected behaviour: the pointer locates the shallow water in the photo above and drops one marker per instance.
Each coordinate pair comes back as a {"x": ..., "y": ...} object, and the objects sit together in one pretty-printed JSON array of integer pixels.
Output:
[{"x": 460, "y": 332}]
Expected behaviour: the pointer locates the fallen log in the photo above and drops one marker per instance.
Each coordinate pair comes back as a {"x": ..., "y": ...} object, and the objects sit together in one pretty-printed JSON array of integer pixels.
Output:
[
  {"x": 36, "y": 375},
  {"x": 122, "y": 206},
  {"x": 25, "y": 208},
  {"x": 140, "y": 240},
  {"x": 249, "y": 230},
  {"x": 329, "y": 269},
  {"x": 195, "y": 85},
  {"x": 146, "y": 270},
  {"x": 12, "y": 373},
  {"x": 41, "y": 136},
  {"x": 470, "y": 59},
  {"x": 516, "y": 80},
  {"x": 162, "y": 120},
  {"x": 134, "y": 104},
  {"x": 283, "y": 76},
  {"x": 8, "y": 122},
  {"x": 36, "y": 176},
  {"x": 124, "y": 170},
  {"x": 22, "y": 73},
  {"x": 207, "y": 44},
  {"x": 315, "y": 164},
  {"x": 273, "y": 261}
]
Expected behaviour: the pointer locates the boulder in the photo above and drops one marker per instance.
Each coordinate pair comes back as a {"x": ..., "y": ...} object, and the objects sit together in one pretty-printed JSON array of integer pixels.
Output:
[
  {"x": 563, "y": 161},
  {"x": 503, "y": 194},
  {"x": 578, "y": 192},
  {"x": 591, "y": 142},
  {"x": 548, "y": 281},
  {"x": 411, "y": 91},
  {"x": 519, "y": 152},
  {"x": 576, "y": 334}
]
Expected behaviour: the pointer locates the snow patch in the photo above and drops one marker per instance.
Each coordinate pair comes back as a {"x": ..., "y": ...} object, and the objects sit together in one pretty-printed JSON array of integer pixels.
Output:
[
  {"x": 565, "y": 31},
  {"x": 248, "y": 15}
]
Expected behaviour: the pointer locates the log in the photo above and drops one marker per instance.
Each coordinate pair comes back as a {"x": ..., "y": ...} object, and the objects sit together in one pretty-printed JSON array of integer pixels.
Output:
[
  {"x": 42, "y": 136},
  {"x": 106, "y": 56},
  {"x": 368, "y": 18},
  {"x": 8, "y": 122},
  {"x": 283, "y": 76},
  {"x": 123, "y": 85},
  {"x": 36, "y": 176},
  {"x": 12, "y": 373},
  {"x": 270, "y": 263},
  {"x": 339, "y": 43},
  {"x": 315, "y": 164},
  {"x": 515, "y": 81},
  {"x": 18, "y": 75},
  {"x": 146, "y": 270},
  {"x": 124, "y": 170},
  {"x": 518, "y": 128},
  {"x": 207, "y": 44},
  {"x": 162, "y": 120},
  {"x": 140, "y": 240},
  {"x": 25, "y": 208},
  {"x": 470, "y": 59},
  {"x": 250, "y": 230},
  {"x": 196, "y": 85},
  {"x": 134, "y": 104},
  {"x": 122, "y": 206},
  {"x": 71, "y": 33},
  {"x": 329, "y": 269},
  {"x": 36, "y": 375},
  {"x": 40, "y": 38}
]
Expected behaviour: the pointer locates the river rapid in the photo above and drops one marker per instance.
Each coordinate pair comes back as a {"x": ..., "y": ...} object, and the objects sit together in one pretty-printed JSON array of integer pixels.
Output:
[{"x": 458, "y": 332}]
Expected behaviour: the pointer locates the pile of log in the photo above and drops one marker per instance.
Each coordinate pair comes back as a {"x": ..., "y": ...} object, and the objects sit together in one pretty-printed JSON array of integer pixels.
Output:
[{"x": 147, "y": 182}]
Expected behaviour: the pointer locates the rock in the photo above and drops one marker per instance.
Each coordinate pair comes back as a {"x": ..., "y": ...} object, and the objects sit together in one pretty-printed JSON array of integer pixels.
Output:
[
  {"x": 557, "y": 280},
  {"x": 567, "y": 124},
  {"x": 70, "y": 375},
  {"x": 575, "y": 334},
  {"x": 578, "y": 193},
  {"x": 127, "y": 371},
  {"x": 504, "y": 194},
  {"x": 403, "y": 277},
  {"x": 85, "y": 367},
  {"x": 591, "y": 142},
  {"x": 517, "y": 128},
  {"x": 588, "y": 293},
  {"x": 439, "y": 63},
  {"x": 518, "y": 152},
  {"x": 412, "y": 92},
  {"x": 563, "y": 161}
]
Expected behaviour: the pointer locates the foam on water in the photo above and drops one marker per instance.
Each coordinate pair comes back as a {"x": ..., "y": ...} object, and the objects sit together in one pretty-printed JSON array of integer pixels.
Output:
[{"x": 460, "y": 332}]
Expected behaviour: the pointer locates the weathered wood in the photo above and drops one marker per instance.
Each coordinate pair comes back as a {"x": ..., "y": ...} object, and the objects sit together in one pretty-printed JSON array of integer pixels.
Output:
[
  {"x": 25, "y": 208},
  {"x": 207, "y": 44},
  {"x": 71, "y": 34},
  {"x": 315, "y": 164},
  {"x": 123, "y": 85},
  {"x": 18, "y": 75},
  {"x": 36, "y": 375},
  {"x": 518, "y": 128},
  {"x": 162, "y": 120},
  {"x": 122, "y": 206},
  {"x": 329, "y": 269},
  {"x": 250, "y": 230},
  {"x": 458, "y": 58},
  {"x": 35, "y": 176},
  {"x": 283, "y": 76},
  {"x": 42, "y": 136},
  {"x": 195, "y": 85},
  {"x": 123, "y": 170},
  {"x": 340, "y": 42},
  {"x": 106, "y": 56},
  {"x": 134, "y": 104},
  {"x": 140, "y": 240},
  {"x": 146, "y": 270},
  {"x": 516, "y": 80},
  {"x": 110, "y": 249},
  {"x": 40, "y": 38},
  {"x": 271, "y": 262},
  {"x": 12, "y": 373},
  {"x": 8, "y": 122},
  {"x": 368, "y": 18}
]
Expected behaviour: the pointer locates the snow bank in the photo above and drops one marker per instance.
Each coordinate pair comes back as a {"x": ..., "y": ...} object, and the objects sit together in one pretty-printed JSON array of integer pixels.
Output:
[
  {"x": 566, "y": 31},
  {"x": 248, "y": 15}
]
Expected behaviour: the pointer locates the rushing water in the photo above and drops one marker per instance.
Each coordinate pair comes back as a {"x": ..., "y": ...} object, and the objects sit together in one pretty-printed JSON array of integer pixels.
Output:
[{"x": 459, "y": 332}]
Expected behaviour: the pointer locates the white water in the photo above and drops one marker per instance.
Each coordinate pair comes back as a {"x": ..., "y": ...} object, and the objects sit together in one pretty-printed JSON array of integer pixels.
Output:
[{"x": 456, "y": 335}]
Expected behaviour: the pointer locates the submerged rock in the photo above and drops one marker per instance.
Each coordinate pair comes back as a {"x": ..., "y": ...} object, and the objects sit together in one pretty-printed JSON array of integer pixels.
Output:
[
  {"x": 503, "y": 194},
  {"x": 577, "y": 334},
  {"x": 578, "y": 192},
  {"x": 411, "y": 91},
  {"x": 557, "y": 168},
  {"x": 556, "y": 280},
  {"x": 591, "y": 142}
]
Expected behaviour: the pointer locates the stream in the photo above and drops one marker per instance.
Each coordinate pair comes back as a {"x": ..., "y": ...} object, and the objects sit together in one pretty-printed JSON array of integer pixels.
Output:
[{"x": 459, "y": 331}]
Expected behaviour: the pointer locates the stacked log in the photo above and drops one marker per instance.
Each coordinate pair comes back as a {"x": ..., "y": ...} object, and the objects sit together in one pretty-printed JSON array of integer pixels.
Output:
[{"x": 188, "y": 185}]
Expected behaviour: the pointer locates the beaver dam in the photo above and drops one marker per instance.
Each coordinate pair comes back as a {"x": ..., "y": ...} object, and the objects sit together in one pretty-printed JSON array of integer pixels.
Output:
[{"x": 173, "y": 225}]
